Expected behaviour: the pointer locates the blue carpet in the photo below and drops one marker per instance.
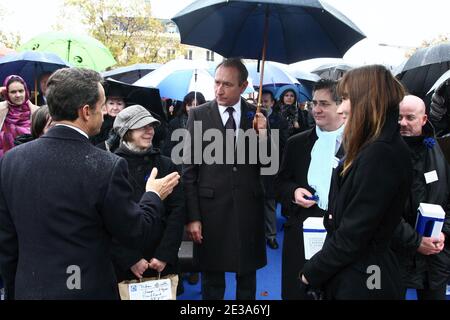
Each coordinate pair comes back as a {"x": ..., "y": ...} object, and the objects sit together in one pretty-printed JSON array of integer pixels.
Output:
[{"x": 268, "y": 279}]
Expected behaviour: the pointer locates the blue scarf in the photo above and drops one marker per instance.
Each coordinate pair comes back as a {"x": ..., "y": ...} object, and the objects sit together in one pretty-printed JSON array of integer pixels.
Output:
[{"x": 321, "y": 165}]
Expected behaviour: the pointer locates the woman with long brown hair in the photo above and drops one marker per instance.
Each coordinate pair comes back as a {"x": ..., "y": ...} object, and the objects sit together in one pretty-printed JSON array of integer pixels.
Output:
[{"x": 369, "y": 190}]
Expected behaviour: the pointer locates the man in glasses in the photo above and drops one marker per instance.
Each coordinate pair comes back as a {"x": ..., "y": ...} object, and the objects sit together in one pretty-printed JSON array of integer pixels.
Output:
[{"x": 303, "y": 182}]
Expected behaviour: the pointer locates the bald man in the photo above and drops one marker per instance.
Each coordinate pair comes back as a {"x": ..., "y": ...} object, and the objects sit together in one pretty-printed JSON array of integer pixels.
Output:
[
  {"x": 412, "y": 116},
  {"x": 424, "y": 261}
]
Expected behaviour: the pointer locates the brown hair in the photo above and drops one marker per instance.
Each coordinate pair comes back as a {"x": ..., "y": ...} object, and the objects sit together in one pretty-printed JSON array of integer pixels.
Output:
[{"x": 373, "y": 92}]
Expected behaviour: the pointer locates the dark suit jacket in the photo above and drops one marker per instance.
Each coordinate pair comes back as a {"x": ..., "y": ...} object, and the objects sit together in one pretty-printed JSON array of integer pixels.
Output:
[
  {"x": 61, "y": 201},
  {"x": 228, "y": 200},
  {"x": 365, "y": 210}
]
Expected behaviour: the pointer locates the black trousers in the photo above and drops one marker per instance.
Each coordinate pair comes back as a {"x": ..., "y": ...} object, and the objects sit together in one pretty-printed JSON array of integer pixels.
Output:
[
  {"x": 213, "y": 286},
  {"x": 435, "y": 294}
]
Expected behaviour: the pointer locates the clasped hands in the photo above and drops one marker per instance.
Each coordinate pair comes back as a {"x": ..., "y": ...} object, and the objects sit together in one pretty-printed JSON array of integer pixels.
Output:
[
  {"x": 142, "y": 265},
  {"x": 430, "y": 245}
]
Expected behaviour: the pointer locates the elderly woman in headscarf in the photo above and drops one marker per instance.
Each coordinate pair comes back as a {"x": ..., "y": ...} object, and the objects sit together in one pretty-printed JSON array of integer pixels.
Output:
[{"x": 15, "y": 112}]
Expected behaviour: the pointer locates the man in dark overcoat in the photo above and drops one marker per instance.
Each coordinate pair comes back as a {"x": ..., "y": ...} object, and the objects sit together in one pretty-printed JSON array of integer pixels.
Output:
[
  {"x": 424, "y": 261},
  {"x": 303, "y": 173},
  {"x": 62, "y": 200},
  {"x": 225, "y": 199}
]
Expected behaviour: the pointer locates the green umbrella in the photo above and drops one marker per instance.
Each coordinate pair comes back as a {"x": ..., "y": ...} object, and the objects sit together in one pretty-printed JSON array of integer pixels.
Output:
[{"x": 79, "y": 50}]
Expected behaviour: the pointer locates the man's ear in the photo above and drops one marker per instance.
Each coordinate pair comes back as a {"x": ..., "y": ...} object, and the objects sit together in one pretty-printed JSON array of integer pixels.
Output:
[
  {"x": 425, "y": 118},
  {"x": 244, "y": 86},
  {"x": 84, "y": 113}
]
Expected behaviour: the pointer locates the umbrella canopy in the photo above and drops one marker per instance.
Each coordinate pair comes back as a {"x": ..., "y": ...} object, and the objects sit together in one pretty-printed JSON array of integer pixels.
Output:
[
  {"x": 296, "y": 30},
  {"x": 147, "y": 97},
  {"x": 424, "y": 68},
  {"x": 79, "y": 50},
  {"x": 300, "y": 91},
  {"x": 303, "y": 75},
  {"x": 30, "y": 65},
  {"x": 440, "y": 81},
  {"x": 130, "y": 74},
  {"x": 273, "y": 74},
  {"x": 332, "y": 70},
  {"x": 291, "y": 30},
  {"x": 179, "y": 83}
]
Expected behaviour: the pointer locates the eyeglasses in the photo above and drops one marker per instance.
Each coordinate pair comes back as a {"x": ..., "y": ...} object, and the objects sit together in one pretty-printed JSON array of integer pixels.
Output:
[{"x": 321, "y": 104}]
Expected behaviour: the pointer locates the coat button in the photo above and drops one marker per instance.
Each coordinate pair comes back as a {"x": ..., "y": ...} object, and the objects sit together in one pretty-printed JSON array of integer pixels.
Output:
[{"x": 234, "y": 169}]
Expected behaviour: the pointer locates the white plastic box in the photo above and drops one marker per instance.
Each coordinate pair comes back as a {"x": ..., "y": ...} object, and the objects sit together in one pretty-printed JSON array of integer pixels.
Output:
[
  {"x": 430, "y": 219},
  {"x": 314, "y": 235}
]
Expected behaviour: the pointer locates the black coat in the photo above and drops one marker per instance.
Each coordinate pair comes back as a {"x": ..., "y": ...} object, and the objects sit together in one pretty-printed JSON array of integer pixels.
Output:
[
  {"x": 293, "y": 174},
  {"x": 165, "y": 247},
  {"x": 365, "y": 210},
  {"x": 276, "y": 122},
  {"x": 228, "y": 200},
  {"x": 420, "y": 271},
  {"x": 179, "y": 122},
  {"x": 105, "y": 130},
  {"x": 61, "y": 202}
]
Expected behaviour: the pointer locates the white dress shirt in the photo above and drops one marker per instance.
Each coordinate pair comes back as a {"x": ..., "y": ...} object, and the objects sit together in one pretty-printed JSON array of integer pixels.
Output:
[{"x": 236, "y": 114}]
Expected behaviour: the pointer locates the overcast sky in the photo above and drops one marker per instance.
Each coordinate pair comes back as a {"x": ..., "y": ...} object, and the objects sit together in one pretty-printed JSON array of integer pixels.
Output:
[{"x": 398, "y": 23}]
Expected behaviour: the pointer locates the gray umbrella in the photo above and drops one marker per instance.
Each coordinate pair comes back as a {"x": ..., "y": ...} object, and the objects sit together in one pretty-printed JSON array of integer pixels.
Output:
[
  {"x": 332, "y": 70},
  {"x": 424, "y": 68}
]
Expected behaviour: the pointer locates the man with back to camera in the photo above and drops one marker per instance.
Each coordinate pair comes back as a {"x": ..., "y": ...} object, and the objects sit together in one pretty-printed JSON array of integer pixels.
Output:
[{"x": 62, "y": 200}]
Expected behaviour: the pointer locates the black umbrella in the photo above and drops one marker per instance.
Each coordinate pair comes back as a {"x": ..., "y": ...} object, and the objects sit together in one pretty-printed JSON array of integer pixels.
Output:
[
  {"x": 285, "y": 31},
  {"x": 424, "y": 68},
  {"x": 131, "y": 74},
  {"x": 147, "y": 97}
]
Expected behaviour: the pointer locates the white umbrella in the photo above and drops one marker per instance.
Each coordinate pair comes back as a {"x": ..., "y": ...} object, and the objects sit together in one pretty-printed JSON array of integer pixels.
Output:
[
  {"x": 178, "y": 77},
  {"x": 274, "y": 73}
]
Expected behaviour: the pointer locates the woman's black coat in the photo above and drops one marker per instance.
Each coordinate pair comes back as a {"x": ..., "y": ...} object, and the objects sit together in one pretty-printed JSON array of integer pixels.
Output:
[
  {"x": 293, "y": 174},
  {"x": 356, "y": 261},
  {"x": 165, "y": 247}
]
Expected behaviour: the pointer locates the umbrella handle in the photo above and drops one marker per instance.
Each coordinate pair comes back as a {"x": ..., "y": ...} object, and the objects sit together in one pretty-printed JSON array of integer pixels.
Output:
[{"x": 261, "y": 76}]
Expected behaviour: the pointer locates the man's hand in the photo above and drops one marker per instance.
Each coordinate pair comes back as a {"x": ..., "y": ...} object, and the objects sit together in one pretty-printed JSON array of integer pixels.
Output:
[
  {"x": 260, "y": 124},
  {"x": 299, "y": 199},
  {"x": 431, "y": 245},
  {"x": 163, "y": 186},
  {"x": 157, "y": 265},
  {"x": 194, "y": 230},
  {"x": 139, "y": 268}
]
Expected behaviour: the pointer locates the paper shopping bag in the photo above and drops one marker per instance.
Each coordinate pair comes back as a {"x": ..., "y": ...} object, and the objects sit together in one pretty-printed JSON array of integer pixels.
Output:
[{"x": 154, "y": 288}]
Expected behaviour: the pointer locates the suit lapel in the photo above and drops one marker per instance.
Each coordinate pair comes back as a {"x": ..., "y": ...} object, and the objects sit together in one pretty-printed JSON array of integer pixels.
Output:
[
  {"x": 246, "y": 123},
  {"x": 214, "y": 115}
]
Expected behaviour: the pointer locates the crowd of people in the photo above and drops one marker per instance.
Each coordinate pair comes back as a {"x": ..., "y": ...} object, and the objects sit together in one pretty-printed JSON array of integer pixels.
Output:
[{"x": 88, "y": 180}]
